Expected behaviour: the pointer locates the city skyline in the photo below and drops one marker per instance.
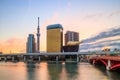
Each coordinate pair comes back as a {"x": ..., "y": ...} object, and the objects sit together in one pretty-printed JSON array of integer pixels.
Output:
[{"x": 88, "y": 17}]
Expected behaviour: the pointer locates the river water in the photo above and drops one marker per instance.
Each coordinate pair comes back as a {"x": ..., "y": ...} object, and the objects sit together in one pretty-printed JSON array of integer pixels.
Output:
[{"x": 54, "y": 71}]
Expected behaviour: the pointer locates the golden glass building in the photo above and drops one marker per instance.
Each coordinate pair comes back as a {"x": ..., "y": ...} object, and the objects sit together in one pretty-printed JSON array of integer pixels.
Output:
[{"x": 54, "y": 38}]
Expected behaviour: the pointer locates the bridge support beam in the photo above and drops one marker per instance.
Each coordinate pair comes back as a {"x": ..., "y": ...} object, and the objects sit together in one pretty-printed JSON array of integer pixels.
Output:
[
  {"x": 39, "y": 58},
  {"x": 109, "y": 65}
]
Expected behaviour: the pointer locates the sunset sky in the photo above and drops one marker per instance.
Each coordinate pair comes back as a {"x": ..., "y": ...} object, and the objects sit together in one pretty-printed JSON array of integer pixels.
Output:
[{"x": 18, "y": 18}]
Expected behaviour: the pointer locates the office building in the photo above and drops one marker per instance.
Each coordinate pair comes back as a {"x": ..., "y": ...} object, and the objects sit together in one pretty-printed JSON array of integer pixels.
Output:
[
  {"x": 54, "y": 38},
  {"x": 31, "y": 46},
  {"x": 71, "y": 36},
  {"x": 71, "y": 41}
]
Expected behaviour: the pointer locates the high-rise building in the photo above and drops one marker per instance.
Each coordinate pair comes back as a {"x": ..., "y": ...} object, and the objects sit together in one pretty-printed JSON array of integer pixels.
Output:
[
  {"x": 71, "y": 41},
  {"x": 71, "y": 36},
  {"x": 31, "y": 46},
  {"x": 54, "y": 38}
]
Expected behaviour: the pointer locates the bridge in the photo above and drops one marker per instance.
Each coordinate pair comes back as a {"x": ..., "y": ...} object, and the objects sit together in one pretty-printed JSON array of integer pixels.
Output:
[
  {"x": 110, "y": 62},
  {"x": 65, "y": 56},
  {"x": 58, "y": 56}
]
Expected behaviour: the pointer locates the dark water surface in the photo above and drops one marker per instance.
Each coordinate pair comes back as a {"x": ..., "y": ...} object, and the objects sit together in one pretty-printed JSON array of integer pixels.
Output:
[{"x": 54, "y": 71}]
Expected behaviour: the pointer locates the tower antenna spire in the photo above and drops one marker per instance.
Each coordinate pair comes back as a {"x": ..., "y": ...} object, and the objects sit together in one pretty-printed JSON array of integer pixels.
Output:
[
  {"x": 38, "y": 21},
  {"x": 38, "y": 37}
]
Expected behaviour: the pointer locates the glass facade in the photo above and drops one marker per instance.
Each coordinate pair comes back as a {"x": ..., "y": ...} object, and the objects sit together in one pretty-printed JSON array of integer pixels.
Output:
[
  {"x": 31, "y": 47},
  {"x": 54, "y": 38}
]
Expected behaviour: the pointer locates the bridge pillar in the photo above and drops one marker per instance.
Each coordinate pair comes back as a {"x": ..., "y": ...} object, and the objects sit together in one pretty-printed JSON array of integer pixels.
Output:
[
  {"x": 77, "y": 58},
  {"x": 24, "y": 58},
  {"x": 13, "y": 58},
  {"x": 31, "y": 58},
  {"x": 70, "y": 58},
  {"x": 109, "y": 65},
  {"x": 56, "y": 58},
  {"x": 39, "y": 58},
  {"x": 93, "y": 62},
  {"x": 5, "y": 58}
]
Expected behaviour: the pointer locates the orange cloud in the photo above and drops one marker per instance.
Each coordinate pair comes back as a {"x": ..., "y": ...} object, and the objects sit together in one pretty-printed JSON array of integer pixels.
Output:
[{"x": 13, "y": 45}]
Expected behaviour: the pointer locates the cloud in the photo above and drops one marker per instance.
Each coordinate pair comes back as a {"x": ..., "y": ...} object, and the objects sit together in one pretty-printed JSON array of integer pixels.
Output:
[
  {"x": 104, "y": 34},
  {"x": 99, "y": 16},
  {"x": 114, "y": 13},
  {"x": 109, "y": 37},
  {"x": 95, "y": 16},
  {"x": 13, "y": 45}
]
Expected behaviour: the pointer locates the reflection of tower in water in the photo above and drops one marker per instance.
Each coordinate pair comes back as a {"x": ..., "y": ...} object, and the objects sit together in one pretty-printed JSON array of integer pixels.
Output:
[
  {"x": 31, "y": 71},
  {"x": 37, "y": 71}
]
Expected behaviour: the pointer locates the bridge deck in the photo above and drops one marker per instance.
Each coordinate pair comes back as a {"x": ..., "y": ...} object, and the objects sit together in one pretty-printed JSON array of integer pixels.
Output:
[{"x": 58, "y": 53}]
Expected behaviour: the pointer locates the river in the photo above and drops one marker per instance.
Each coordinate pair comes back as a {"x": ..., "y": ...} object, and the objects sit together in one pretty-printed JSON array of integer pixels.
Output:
[{"x": 54, "y": 71}]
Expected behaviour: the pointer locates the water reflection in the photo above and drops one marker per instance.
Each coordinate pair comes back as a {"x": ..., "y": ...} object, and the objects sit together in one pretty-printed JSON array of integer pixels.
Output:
[
  {"x": 113, "y": 75},
  {"x": 60, "y": 71},
  {"x": 55, "y": 71},
  {"x": 31, "y": 71},
  {"x": 12, "y": 71},
  {"x": 63, "y": 75},
  {"x": 43, "y": 72},
  {"x": 89, "y": 72},
  {"x": 110, "y": 75},
  {"x": 72, "y": 70}
]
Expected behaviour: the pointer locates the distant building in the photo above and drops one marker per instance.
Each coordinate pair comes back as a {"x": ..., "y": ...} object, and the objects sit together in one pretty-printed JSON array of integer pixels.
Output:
[
  {"x": 54, "y": 38},
  {"x": 71, "y": 41},
  {"x": 31, "y": 46}
]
